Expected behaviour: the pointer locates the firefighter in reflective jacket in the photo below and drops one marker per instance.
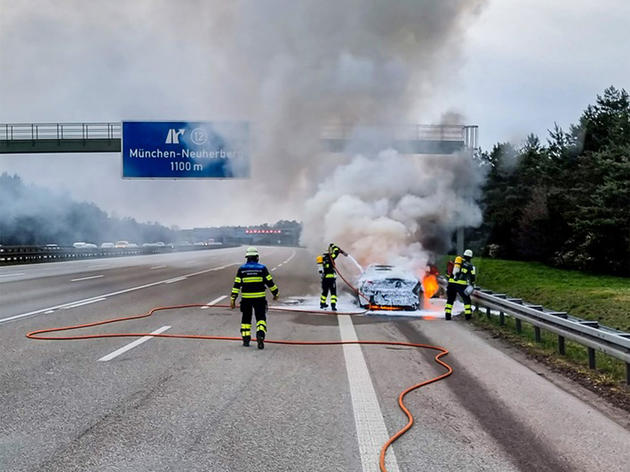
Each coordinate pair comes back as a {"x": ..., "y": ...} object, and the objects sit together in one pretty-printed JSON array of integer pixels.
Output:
[
  {"x": 461, "y": 281},
  {"x": 326, "y": 270},
  {"x": 251, "y": 279}
]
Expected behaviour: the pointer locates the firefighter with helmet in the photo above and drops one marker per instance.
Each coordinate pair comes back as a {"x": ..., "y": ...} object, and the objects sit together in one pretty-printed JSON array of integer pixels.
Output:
[
  {"x": 326, "y": 269},
  {"x": 251, "y": 280},
  {"x": 461, "y": 281}
]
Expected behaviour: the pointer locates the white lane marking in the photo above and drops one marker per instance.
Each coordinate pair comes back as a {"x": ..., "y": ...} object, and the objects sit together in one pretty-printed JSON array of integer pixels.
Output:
[
  {"x": 157, "y": 267},
  {"x": 368, "y": 418},
  {"x": 106, "y": 295},
  {"x": 83, "y": 303},
  {"x": 131, "y": 345},
  {"x": 176, "y": 279},
  {"x": 49, "y": 312},
  {"x": 12, "y": 273},
  {"x": 87, "y": 278},
  {"x": 284, "y": 262},
  {"x": 213, "y": 302}
]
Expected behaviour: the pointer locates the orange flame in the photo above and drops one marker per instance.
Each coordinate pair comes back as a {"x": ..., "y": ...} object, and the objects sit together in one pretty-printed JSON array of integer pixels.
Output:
[{"x": 430, "y": 286}]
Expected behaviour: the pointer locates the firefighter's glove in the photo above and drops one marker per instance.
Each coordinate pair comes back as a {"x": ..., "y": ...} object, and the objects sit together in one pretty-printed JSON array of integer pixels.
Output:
[
  {"x": 276, "y": 296},
  {"x": 232, "y": 303},
  {"x": 343, "y": 252}
]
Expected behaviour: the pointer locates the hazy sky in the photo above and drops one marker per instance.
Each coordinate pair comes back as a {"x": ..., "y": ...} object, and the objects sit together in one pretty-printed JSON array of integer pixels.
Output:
[{"x": 513, "y": 68}]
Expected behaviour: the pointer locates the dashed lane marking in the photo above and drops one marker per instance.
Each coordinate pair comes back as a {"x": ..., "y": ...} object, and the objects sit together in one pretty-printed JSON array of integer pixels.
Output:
[
  {"x": 87, "y": 278},
  {"x": 176, "y": 279},
  {"x": 131, "y": 345},
  {"x": 87, "y": 302},
  {"x": 214, "y": 302}
]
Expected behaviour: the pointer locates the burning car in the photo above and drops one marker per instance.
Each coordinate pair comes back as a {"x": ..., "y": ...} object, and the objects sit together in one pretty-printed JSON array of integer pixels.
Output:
[{"x": 390, "y": 288}]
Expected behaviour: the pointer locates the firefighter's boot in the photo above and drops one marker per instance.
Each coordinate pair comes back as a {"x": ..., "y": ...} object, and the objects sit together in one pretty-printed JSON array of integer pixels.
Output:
[
  {"x": 333, "y": 306},
  {"x": 261, "y": 329},
  {"x": 246, "y": 333}
]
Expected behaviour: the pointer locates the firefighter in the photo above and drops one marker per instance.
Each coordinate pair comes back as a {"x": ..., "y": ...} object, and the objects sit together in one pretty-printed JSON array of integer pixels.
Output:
[
  {"x": 251, "y": 279},
  {"x": 326, "y": 269},
  {"x": 461, "y": 281}
]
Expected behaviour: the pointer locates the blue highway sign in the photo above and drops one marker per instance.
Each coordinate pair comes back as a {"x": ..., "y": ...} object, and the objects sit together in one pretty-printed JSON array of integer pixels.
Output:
[{"x": 185, "y": 149}]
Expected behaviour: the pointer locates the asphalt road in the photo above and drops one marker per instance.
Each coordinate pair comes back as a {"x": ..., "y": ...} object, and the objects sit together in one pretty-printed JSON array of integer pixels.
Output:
[{"x": 199, "y": 405}]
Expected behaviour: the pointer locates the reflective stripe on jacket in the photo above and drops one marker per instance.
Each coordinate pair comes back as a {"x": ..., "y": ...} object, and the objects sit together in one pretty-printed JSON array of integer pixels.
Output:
[
  {"x": 251, "y": 280},
  {"x": 465, "y": 274}
]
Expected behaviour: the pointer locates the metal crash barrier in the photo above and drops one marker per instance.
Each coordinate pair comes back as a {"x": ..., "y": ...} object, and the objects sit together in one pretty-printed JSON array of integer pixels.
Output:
[
  {"x": 10, "y": 255},
  {"x": 591, "y": 334}
]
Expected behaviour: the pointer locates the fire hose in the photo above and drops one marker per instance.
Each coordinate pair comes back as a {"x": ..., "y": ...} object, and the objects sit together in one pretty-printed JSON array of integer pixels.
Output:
[{"x": 38, "y": 334}]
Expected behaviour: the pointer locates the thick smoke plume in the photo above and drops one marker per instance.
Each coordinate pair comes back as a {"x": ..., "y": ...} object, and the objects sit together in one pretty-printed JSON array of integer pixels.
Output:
[
  {"x": 291, "y": 68},
  {"x": 394, "y": 209}
]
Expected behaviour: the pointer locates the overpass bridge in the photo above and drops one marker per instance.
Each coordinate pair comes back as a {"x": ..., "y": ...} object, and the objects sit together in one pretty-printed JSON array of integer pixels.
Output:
[{"x": 30, "y": 138}]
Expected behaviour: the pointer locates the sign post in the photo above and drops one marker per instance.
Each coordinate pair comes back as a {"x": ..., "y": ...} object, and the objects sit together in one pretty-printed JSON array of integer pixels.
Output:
[{"x": 185, "y": 149}]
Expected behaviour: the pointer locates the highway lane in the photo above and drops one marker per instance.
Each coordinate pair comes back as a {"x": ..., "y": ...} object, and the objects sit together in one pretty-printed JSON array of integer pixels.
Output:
[{"x": 210, "y": 405}]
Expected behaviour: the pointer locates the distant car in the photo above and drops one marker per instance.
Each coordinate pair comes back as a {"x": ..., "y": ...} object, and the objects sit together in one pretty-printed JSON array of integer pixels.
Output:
[
  {"x": 132, "y": 245},
  {"x": 49, "y": 246},
  {"x": 388, "y": 286},
  {"x": 107, "y": 245},
  {"x": 122, "y": 244},
  {"x": 83, "y": 245}
]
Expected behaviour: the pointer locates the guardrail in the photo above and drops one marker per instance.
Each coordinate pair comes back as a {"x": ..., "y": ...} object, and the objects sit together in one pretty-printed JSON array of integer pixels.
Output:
[
  {"x": 588, "y": 333},
  {"x": 12, "y": 255}
]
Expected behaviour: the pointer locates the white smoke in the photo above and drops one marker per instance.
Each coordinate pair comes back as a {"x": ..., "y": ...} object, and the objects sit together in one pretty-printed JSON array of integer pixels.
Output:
[{"x": 394, "y": 208}]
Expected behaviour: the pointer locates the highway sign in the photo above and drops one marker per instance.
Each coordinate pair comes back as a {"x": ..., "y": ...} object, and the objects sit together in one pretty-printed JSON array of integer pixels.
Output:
[{"x": 185, "y": 149}]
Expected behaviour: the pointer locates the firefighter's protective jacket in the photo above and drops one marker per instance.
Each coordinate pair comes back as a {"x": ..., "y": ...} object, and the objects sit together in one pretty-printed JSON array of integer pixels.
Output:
[
  {"x": 326, "y": 267},
  {"x": 251, "y": 279},
  {"x": 464, "y": 272}
]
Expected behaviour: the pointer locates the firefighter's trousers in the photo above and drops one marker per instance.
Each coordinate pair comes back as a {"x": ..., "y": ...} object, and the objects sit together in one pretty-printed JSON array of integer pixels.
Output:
[
  {"x": 259, "y": 307},
  {"x": 452, "y": 290},
  {"x": 328, "y": 285}
]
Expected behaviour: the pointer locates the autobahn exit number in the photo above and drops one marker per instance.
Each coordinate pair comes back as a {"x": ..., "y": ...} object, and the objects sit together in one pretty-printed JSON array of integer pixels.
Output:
[{"x": 185, "y": 149}]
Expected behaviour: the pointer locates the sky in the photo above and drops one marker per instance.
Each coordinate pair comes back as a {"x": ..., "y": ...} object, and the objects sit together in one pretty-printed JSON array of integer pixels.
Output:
[{"x": 512, "y": 67}]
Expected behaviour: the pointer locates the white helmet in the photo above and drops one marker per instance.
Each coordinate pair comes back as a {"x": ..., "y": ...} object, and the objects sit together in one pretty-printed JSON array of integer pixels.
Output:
[
  {"x": 468, "y": 253},
  {"x": 251, "y": 252}
]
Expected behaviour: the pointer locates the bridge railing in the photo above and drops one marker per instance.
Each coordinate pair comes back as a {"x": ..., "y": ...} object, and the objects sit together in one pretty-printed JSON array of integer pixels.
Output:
[{"x": 59, "y": 131}]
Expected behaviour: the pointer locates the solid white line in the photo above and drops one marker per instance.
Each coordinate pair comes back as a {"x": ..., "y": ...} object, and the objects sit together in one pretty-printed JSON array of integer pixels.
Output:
[
  {"x": 87, "y": 278},
  {"x": 131, "y": 345},
  {"x": 13, "y": 273},
  {"x": 84, "y": 303},
  {"x": 213, "y": 302},
  {"x": 158, "y": 267},
  {"x": 368, "y": 418},
  {"x": 111, "y": 294}
]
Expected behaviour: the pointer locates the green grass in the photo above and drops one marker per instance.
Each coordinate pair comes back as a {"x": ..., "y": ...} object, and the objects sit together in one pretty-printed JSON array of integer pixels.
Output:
[{"x": 605, "y": 299}]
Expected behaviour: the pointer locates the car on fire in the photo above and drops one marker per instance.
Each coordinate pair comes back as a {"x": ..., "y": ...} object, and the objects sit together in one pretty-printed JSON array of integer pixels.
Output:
[{"x": 389, "y": 287}]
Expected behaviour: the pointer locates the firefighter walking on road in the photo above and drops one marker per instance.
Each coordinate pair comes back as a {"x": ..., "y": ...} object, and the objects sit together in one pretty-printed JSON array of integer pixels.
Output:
[
  {"x": 461, "y": 281},
  {"x": 326, "y": 269},
  {"x": 251, "y": 280}
]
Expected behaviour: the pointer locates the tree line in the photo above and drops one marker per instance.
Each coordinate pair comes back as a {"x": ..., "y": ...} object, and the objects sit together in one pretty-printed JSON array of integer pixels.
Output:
[
  {"x": 566, "y": 202},
  {"x": 33, "y": 215}
]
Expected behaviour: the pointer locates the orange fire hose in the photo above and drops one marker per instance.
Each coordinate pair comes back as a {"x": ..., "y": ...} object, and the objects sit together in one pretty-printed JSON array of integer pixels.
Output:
[{"x": 37, "y": 334}]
